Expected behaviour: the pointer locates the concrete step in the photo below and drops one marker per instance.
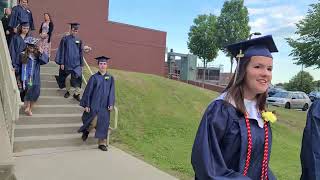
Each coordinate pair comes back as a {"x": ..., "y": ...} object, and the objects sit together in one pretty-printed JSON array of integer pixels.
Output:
[
  {"x": 56, "y": 100},
  {"x": 49, "y": 84},
  {"x": 51, "y": 141},
  {"x": 55, "y": 150},
  {"x": 46, "y": 129},
  {"x": 49, "y": 69},
  {"x": 52, "y": 92},
  {"x": 55, "y": 109},
  {"x": 49, "y": 119},
  {"x": 51, "y": 64},
  {"x": 47, "y": 77}
]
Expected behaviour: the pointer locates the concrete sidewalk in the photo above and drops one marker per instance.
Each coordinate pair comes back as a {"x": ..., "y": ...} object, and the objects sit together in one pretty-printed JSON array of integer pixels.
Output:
[{"x": 88, "y": 163}]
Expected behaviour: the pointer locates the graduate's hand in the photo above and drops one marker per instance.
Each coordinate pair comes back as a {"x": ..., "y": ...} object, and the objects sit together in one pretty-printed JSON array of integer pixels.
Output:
[
  {"x": 7, "y": 32},
  {"x": 110, "y": 108},
  {"x": 40, "y": 49},
  {"x": 87, "y": 49},
  {"x": 15, "y": 30},
  {"x": 87, "y": 109},
  {"x": 62, "y": 67},
  {"x": 43, "y": 35}
]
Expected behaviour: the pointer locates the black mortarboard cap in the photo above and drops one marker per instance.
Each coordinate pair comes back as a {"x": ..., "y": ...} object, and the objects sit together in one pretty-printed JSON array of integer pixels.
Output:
[
  {"x": 102, "y": 59},
  {"x": 261, "y": 46},
  {"x": 24, "y": 24},
  {"x": 74, "y": 26}
]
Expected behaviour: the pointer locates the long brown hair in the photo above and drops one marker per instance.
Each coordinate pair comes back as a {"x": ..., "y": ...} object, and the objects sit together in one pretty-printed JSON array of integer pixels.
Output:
[
  {"x": 235, "y": 89},
  {"x": 48, "y": 15},
  {"x": 27, "y": 52}
]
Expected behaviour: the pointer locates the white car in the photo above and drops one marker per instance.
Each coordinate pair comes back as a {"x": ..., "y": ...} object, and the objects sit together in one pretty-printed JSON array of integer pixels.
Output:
[{"x": 290, "y": 100}]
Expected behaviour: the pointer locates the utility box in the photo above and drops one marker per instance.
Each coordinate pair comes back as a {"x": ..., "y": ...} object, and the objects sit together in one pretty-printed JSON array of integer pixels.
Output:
[
  {"x": 183, "y": 68},
  {"x": 188, "y": 68}
]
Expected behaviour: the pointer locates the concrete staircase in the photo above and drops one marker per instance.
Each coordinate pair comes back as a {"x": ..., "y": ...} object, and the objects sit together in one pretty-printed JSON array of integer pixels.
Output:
[{"x": 55, "y": 119}]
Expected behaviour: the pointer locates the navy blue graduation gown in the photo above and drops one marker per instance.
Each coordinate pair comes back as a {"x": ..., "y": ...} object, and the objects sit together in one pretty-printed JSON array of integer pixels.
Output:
[
  {"x": 16, "y": 46},
  {"x": 220, "y": 147},
  {"x": 310, "y": 149},
  {"x": 98, "y": 95},
  {"x": 19, "y": 15},
  {"x": 32, "y": 92},
  {"x": 70, "y": 54}
]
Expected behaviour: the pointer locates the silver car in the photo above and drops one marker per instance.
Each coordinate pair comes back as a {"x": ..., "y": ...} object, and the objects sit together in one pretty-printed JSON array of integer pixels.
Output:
[{"x": 290, "y": 99}]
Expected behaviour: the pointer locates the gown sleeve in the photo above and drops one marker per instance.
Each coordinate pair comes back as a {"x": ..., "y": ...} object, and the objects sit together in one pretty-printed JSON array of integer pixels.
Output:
[
  {"x": 31, "y": 21},
  {"x": 81, "y": 54},
  {"x": 43, "y": 59},
  {"x": 111, "y": 98},
  {"x": 60, "y": 52},
  {"x": 87, "y": 94},
  {"x": 310, "y": 149},
  {"x": 13, "y": 22},
  {"x": 14, "y": 53},
  {"x": 207, "y": 159}
]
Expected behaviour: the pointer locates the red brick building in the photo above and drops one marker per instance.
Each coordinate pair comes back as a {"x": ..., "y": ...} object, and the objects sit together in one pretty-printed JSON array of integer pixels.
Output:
[{"x": 131, "y": 48}]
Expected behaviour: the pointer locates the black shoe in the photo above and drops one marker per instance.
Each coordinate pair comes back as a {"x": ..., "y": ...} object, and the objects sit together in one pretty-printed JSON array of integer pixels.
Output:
[
  {"x": 85, "y": 136},
  {"x": 67, "y": 94},
  {"x": 77, "y": 97},
  {"x": 103, "y": 148}
]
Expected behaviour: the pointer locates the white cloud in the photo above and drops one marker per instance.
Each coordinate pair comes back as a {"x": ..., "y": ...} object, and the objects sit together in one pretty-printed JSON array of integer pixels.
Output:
[
  {"x": 278, "y": 10},
  {"x": 275, "y": 19},
  {"x": 259, "y": 23}
]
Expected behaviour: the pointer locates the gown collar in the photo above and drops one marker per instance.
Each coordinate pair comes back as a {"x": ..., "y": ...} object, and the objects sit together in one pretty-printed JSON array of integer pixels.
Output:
[
  {"x": 106, "y": 74},
  {"x": 251, "y": 108}
]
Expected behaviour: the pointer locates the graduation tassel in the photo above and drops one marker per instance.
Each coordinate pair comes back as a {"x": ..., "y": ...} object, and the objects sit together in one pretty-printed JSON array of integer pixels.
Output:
[{"x": 239, "y": 56}]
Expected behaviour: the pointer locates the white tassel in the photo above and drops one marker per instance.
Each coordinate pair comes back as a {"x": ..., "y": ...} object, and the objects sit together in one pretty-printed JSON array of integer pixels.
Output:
[{"x": 238, "y": 57}]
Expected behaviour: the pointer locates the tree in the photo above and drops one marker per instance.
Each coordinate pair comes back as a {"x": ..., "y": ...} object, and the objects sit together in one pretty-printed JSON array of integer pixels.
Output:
[
  {"x": 303, "y": 81},
  {"x": 306, "y": 47},
  {"x": 279, "y": 85},
  {"x": 233, "y": 25},
  {"x": 203, "y": 39},
  {"x": 317, "y": 85}
]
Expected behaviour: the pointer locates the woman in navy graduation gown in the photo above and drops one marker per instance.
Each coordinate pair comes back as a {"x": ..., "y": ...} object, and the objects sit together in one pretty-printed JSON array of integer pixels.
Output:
[
  {"x": 310, "y": 149},
  {"x": 17, "y": 45},
  {"x": 233, "y": 141},
  {"x": 30, "y": 62}
]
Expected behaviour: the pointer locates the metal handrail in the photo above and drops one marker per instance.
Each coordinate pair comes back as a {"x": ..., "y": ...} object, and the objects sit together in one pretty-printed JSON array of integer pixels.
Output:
[
  {"x": 10, "y": 93},
  {"x": 116, "y": 111}
]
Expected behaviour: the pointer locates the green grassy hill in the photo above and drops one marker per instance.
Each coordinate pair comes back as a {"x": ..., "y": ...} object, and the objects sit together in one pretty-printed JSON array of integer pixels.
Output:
[{"x": 158, "y": 119}]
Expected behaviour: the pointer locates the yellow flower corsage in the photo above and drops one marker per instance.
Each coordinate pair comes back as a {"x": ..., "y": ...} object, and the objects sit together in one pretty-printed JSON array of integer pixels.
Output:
[
  {"x": 269, "y": 116},
  {"x": 107, "y": 77}
]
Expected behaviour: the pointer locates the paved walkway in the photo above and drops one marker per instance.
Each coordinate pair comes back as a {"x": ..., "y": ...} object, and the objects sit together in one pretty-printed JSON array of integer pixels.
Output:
[{"x": 87, "y": 163}]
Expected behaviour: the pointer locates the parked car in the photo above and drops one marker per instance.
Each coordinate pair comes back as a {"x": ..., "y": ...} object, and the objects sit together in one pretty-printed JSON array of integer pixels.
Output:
[
  {"x": 272, "y": 91},
  {"x": 290, "y": 100},
  {"x": 314, "y": 95}
]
